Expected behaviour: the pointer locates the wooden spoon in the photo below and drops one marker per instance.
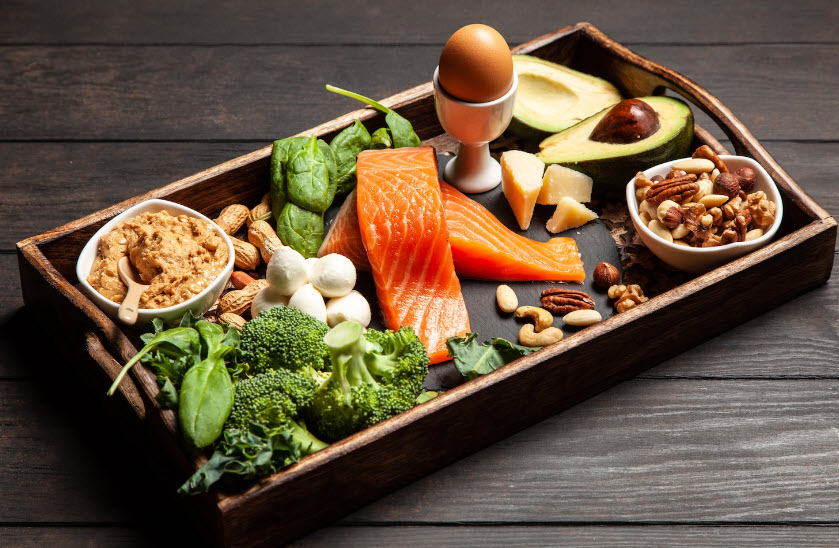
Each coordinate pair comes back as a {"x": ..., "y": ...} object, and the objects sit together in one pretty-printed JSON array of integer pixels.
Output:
[{"x": 128, "y": 309}]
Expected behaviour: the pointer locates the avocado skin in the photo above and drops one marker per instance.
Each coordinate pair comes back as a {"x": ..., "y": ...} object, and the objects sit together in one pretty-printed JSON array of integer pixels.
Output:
[
  {"x": 613, "y": 174},
  {"x": 536, "y": 130}
]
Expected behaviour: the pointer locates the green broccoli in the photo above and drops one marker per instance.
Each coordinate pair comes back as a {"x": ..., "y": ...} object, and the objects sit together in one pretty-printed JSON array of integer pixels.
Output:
[
  {"x": 275, "y": 399},
  {"x": 375, "y": 375},
  {"x": 284, "y": 337}
]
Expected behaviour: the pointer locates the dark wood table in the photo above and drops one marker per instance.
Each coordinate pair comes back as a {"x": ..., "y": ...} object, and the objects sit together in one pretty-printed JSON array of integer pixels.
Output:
[{"x": 733, "y": 442}]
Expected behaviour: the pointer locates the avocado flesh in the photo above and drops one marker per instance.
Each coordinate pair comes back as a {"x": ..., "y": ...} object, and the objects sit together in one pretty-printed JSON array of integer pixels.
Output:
[
  {"x": 551, "y": 97},
  {"x": 613, "y": 165}
]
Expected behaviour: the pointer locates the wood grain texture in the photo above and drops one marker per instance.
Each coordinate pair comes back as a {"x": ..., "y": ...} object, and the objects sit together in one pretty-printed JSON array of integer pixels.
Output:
[
  {"x": 231, "y": 92},
  {"x": 355, "y": 22}
]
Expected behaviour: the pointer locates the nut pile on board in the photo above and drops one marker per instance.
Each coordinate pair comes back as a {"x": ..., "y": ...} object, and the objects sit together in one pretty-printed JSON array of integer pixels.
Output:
[{"x": 701, "y": 204}]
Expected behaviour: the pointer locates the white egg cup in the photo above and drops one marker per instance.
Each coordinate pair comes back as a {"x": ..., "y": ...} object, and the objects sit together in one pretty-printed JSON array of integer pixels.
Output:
[{"x": 474, "y": 125}]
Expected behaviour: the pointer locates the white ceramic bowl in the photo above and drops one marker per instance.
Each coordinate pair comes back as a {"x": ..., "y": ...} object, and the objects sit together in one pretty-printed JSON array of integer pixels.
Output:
[
  {"x": 703, "y": 259},
  {"x": 199, "y": 303}
]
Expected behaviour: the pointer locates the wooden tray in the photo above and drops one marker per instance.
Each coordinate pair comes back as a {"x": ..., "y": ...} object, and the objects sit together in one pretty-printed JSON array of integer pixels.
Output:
[{"x": 371, "y": 463}]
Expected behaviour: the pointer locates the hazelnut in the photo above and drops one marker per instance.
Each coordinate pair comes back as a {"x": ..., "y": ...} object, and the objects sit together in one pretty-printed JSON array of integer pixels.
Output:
[
  {"x": 656, "y": 178},
  {"x": 746, "y": 178},
  {"x": 670, "y": 214},
  {"x": 606, "y": 275},
  {"x": 676, "y": 173},
  {"x": 726, "y": 183}
]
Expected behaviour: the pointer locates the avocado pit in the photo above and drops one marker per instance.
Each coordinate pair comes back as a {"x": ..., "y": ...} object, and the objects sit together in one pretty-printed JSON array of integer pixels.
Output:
[{"x": 629, "y": 121}]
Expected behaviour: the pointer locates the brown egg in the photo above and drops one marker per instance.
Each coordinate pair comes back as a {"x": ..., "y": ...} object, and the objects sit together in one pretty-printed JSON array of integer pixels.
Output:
[{"x": 476, "y": 65}]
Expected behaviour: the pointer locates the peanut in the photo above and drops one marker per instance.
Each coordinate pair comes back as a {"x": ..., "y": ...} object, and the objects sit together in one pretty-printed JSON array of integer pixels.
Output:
[
  {"x": 231, "y": 218},
  {"x": 260, "y": 210},
  {"x": 247, "y": 255},
  {"x": 263, "y": 236},
  {"x": 240, "y": 280},
  {"x": 240, "y": 300},
  {"x": 235, "y": 320},
  {"x": 506, "y": 297}
]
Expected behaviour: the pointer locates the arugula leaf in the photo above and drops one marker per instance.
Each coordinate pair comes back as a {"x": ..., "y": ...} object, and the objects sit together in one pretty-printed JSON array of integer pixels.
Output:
[{"x": 473, "y": 359}]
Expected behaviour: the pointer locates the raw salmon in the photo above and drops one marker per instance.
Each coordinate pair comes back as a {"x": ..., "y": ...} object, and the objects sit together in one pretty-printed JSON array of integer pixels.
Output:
[
  {"x": 482, "y": 247},
  {"x": 403, "y": 228}
]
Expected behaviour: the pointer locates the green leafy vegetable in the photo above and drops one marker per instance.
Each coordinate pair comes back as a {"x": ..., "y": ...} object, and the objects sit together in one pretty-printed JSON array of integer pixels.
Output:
[
  {"x": 280, "y": 153},
  {"x": 331, "y": 168},
  {"x": 401, "y": 129},
  {"x": 381, "y": 139},
  {"x": 205, "y": 400},
  {"x": 176, "y": 343},
  {"x": 427, "y": 395},
  {"x": 307, "y": 178},
  {"x": 168, "y": 395},
  {"x": 256, "y": 453},
  {"x": 473, "y": 359},
  {"x": 347, "y": 145},
  {"x": 300, "y": 229}
]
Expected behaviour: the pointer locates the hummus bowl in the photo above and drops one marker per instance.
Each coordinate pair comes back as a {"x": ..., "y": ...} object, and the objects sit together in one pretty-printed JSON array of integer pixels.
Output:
[
  {"x": 198, "y": 303},
  {"x": 702, "y": 259}
]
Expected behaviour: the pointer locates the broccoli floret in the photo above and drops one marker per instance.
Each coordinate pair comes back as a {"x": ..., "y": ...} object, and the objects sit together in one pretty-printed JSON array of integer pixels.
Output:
[
  {"x": 284, "y": 337},
  {"x": 375, "y": 375},
  {"x": 274, "y": 399}
]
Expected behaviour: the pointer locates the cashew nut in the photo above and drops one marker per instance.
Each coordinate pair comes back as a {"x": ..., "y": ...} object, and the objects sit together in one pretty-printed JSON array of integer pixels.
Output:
[
  {"x": 541, "y": 317},
  {"x": 528, "y": 337}
]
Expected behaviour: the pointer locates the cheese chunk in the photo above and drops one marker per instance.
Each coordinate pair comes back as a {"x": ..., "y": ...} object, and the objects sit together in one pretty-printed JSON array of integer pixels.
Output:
[
  {"x": 560, "y": 181},
  {"x": 569, "y": 214},
  {"x": 521, "y": 181}
]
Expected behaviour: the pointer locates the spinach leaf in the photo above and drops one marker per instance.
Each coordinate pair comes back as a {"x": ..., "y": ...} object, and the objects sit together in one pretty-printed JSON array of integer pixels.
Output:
[
  {"x": 280, "y": 153},
  {"x": 473, "y": 359},
  {"x": 176, "y": 342},
  {"x": 307, "y": 178},
  {"x": 168, "y": 395},
  {"x": 205, "y": 400},
  {"x": 347, "y": 145},
  {"x": 331, "y": 168},
  {"x": 401, "y": 129},
  {"x": 244, "y": 455},
  {"x": 300, "y": 229},
  {"x": 381, "y": 139}
]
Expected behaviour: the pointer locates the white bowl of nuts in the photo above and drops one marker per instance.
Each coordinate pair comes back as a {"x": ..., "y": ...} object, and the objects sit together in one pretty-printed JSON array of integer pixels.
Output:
[{"x": 698, "y": 213}]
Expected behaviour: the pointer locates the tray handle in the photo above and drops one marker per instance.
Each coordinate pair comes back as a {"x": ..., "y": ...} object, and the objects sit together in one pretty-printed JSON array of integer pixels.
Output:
[{"x": 127, "y": 389}]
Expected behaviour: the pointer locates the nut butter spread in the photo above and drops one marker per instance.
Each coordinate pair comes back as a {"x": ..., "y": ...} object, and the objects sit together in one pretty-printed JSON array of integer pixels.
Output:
[{"x": 178, "y": 257}]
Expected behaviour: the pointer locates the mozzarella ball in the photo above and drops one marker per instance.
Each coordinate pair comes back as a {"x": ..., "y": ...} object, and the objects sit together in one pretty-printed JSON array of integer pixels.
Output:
[
  {"x": 265, "y": 299},
  {"x": 352, "y": 306},
  {"x": 310, "y": 264},
  {"x": 286, "y": 271},
  {"x": 309, "y": 300},
  {"x": 333, "y": 275}
]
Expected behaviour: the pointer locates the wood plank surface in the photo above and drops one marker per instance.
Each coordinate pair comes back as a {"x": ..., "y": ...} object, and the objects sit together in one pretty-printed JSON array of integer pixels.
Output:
[
  {"x": 233, "y": 92},
  {"x": 732, "y": 443},
  {"x": 264, "y": 22}
]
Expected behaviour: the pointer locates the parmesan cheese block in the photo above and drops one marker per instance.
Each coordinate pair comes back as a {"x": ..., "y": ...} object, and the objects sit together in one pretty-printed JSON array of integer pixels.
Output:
[
  {"x": 560, "y": 181},
  {"x": 569, "y": 214},
  {"x": 521, "y": 181}
]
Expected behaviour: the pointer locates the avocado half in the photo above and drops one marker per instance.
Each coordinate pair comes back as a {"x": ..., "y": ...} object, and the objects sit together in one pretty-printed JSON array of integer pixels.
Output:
[
  {"x": 612, "y": 165},
  {"x": 551, "y": 97}
]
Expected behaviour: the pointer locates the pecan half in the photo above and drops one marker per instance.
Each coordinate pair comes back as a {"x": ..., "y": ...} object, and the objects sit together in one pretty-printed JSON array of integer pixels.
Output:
[
  {"x": 677, "y": 189},
  {"x": 560, "y": 301},
  {"x": 708, "y": 153}
]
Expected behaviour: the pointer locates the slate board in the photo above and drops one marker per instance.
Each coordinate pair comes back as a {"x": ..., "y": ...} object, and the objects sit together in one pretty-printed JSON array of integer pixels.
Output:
[{"x": 594, "y": 242}]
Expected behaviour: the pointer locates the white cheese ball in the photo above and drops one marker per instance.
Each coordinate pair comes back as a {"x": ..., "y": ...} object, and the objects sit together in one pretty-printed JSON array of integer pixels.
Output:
[
  {"x": 333, "y": 275},
  {"x": 309, "y": 300},
  {"x": 310, "y": 263},
  {"x": 349, "y": 307},
  {"x": 265, "y": 299},
  {"x": 286, "y": 271}
]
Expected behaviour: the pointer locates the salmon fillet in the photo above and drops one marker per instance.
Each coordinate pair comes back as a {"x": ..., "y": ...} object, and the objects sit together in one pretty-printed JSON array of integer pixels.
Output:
[
  {"x": 403, "y": 229},
  {"x": 482, "y": 247}
]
